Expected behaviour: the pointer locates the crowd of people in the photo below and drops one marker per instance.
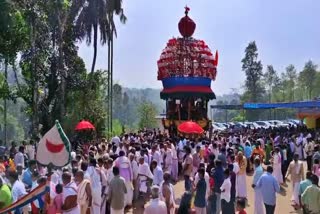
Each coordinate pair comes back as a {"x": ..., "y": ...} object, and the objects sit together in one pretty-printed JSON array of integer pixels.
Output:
[{"x": 140, "y": 170}]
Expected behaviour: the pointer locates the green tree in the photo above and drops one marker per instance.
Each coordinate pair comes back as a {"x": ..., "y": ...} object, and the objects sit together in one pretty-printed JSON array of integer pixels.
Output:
[
  {"x": 317, "y": 88},
  {"x": 125, "y": 104},
  {"x": 280, "y": 89},
  {"x": 240, "y": 117},
  {"x": 51, "y": 78},
  {"x": 94, "y": 14},
  {"x": 307, "y": 78},
  {"x": 147, "y": 112},
  {"x": 270, "y": 79},
  {"x": 253, "y": 70},
  {"x": 13, "y": 34},
  {"x": 117, "y": 128},
  {"x": 117, "y": 103},
  {"x": 254, "y": 90},
  {"x": 88, "y": 102},
  {"x": 291, "y": 76}
]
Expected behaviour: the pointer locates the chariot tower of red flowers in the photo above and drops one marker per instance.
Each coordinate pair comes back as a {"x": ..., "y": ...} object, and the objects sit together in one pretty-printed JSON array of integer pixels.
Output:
[{"x": 186, "y": 68}]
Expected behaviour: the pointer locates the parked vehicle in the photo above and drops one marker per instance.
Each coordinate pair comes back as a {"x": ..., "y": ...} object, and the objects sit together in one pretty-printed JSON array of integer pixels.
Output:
[
  {"x": 265, "y": 124},
  {"x": 289, "y": 123},
  {"x": 278, "y": 123},
  {"x": 297, "y": 122},
  {"x": 256, "y": 125},
  {"x": 218, "y": 127}
]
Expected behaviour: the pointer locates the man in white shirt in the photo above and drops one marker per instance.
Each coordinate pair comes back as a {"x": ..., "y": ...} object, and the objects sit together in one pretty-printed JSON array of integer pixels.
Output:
[
  {"x": 19, "y": 157},
  {"x": 214, "y": 150},
  {"x": 124, "y": 165},
  {"x": 196, "y": 160},
  {"x": 144, "y": 174},
  {"x": 146, "y": 155},
  {"x": 95, "y": 179},
  {"x": 120, "y": 148},
  {"x": 174, "y": 171},
  {"x": 206, "y": 178},
  {"x": 135, "y": 168},
  {"x": 156, "y": 155},
  {"x": 70, "y": 195},
  {"x": 157, "y": 173},
  {"x": 235, "y": 164},
  {"x": 18, "y": 189},
  {"x": 156, "y": 206},
  {"x": 109, "y": 173},
  {"x": 226, "y": 204},
  {"x": 167, "y": 158},
  {"x": 30, "y": 150},
  {"x": 182, "y": 143},
  {"x": 115, "y": 140}
]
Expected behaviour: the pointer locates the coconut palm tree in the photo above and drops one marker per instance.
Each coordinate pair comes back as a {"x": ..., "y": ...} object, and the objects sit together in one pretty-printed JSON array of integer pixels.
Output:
[{"x": 97, "y": 14}]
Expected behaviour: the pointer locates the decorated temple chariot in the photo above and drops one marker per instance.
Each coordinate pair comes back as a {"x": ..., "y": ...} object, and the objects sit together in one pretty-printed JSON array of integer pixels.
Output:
[{"x": 186, "y": 68}]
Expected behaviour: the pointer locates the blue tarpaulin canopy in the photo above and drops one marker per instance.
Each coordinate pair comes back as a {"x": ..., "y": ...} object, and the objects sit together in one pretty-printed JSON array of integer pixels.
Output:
[{"x": 302, "y": 104}]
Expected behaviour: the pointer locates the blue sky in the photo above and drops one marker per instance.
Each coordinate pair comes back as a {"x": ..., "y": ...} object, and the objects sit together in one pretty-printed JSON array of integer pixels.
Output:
[{"x": 286, "y": 32}]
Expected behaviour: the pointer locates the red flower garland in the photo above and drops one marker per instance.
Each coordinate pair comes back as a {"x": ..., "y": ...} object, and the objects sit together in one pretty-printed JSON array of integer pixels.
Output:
[{"x": 187, "y": 57}]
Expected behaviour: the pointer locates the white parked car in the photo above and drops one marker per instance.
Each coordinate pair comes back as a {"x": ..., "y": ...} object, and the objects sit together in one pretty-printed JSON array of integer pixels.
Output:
[
  {"x": 278, "y": 123},
  {"x": 252, "y": 125},
  {"x": 218, "y": 127},
  {"x": 265, "y": 124},
  {"x": 297, "y": 122}
]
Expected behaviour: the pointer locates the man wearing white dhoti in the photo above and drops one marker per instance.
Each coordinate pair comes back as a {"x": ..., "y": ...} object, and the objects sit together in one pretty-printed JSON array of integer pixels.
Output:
[
  {"x": 297, "y": 175},
  {"x": 181, "y": 153},
  {"x": 167, "y": 158},
  {"x": 144, "y": 175},
  {"x": 258, "y": 201},
  {"x": 156, "y": 206},
  {"x": 241, "y": 182},
  {"x": 167, "y": 193},
  {"x": 277, "y": 173},
  {"x": 124, "y": 165},
  {"x": 120, "y": 148},
  {"x": 196, "y": 160},
  {"x": 135, "y": 168},
  {"x": 104, "y": 183},
  {"x": 95, "y": 179},
  {"x": 109, "y": 175},
  {"x": 156, "y": 155},
  {"x": 30, "y": 150},
  {"x": 214, "y": 149},
  {"x": 70, "y": 204},
  {"x": 174, "y": 171},
  {"x": 157, "y": 173},
  {"x": 84, "y": 196},
  {"x": 299, "y": 146},
  {"x": 235, "y": 164}
]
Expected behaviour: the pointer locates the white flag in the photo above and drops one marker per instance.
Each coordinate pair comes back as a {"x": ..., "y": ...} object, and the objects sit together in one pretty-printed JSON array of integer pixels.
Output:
[{"x": 54, "y": 147}]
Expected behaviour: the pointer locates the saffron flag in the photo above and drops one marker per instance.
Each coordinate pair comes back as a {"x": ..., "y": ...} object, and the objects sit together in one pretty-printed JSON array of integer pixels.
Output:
[{"x": 54, "y": 147}]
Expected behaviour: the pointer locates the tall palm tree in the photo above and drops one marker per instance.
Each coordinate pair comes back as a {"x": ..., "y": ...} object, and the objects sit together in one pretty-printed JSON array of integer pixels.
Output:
[{"x": 97, "y": 14}]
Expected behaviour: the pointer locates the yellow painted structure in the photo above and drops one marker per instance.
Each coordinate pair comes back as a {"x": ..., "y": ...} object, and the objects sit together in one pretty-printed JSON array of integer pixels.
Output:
[
  {"x": 310, "y": 122},
  {"x": 311, "y": 117}
]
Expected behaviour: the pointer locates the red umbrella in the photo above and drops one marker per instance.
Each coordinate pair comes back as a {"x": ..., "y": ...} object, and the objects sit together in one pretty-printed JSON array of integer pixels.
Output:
[
  {"x": 84, "y": 125},
  {"x": 190, "y": 127}
]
